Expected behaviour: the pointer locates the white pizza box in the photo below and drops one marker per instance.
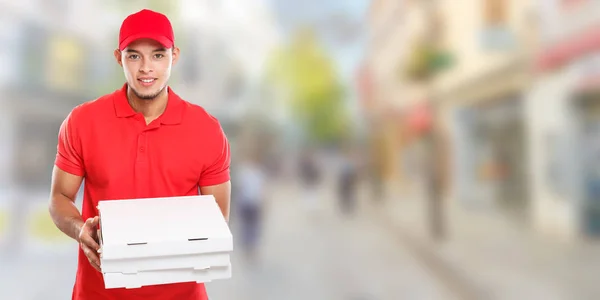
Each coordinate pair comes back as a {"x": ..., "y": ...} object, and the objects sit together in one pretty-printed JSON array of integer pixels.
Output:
[
  {"x": 198, "y": 261},
  {"x": 163, "y": 233},
  {"x": 154, "y": 277}
]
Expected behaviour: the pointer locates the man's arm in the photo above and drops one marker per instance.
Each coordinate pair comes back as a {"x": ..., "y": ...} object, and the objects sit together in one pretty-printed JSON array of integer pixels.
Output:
[
  {"x": 215, "y": 178},
  {"x": 222, "y": 194},
  {"x": 62, "y": 207},
  {"x": 67, "y": 176},
  {"x": 68, "y": 218}
]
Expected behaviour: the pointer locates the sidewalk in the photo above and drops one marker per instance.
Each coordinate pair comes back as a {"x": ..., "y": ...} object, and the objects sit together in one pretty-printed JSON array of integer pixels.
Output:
[{"x": 487, "y": 256}]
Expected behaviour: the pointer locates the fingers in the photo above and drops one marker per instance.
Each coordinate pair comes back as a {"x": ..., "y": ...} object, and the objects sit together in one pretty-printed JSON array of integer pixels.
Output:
[
  {"x": 88, "y": 243},
  {"x": 90, "y": 229},
  {"x": 88, "y": 240},
  {"x": 92, "y": 257},
  {"x": 94, "y": 228}
]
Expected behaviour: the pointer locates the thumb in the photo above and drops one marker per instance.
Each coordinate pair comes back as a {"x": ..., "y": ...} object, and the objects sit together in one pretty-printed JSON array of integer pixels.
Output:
[{"x": 93, "y": 222}]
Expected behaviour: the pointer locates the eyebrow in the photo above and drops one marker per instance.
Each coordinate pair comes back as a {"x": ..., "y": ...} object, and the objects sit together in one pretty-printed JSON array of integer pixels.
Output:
[{"x": 155, "y": 50}]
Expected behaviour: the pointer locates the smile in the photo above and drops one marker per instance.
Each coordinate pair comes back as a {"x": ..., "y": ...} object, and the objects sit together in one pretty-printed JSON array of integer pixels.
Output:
[{"x": 147, "y": 81}]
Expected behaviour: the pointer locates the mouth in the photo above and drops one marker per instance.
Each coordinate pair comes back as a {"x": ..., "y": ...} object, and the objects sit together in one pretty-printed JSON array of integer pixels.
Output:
[{"x": 147, "y": 81}]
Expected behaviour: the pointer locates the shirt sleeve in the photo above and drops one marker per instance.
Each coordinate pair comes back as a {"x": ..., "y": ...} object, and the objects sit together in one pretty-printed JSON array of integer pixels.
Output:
[
  {"x": 68, "y": 152},
  {"x": 217, "y": 170}
]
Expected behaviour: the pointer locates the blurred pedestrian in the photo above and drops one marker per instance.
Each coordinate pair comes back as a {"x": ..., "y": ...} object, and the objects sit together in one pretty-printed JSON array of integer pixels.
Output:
[
  {"x": 347, "y": 183},
  {"x": 310, "y": 176},
  {"x": 251, "y": 178}
]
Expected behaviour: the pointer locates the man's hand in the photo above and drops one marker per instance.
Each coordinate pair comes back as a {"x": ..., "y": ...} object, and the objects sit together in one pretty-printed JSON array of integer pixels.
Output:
[{"x": 88, "y": 240}]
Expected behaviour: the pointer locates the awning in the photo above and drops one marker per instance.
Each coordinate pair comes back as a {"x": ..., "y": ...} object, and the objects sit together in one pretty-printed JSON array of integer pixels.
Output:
[
  {"x": 578, "y": 45},
  {"x": 418, "y": 119}
]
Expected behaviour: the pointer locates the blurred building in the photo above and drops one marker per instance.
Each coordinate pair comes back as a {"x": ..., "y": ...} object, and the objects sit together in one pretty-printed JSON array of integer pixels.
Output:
[
  {"x": 49, "y": 63},
  {"x": 228, "y": 43},
  {"x": 564, "y": 127},
  {"x": 389, "y": 100},
  {"x": 468, "y": 68},
  {"x": 482, "y": 98}
]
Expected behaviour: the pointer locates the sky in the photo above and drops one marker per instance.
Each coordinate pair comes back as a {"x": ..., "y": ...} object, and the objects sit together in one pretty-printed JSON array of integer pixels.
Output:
[{"x": 340, "y": 23}]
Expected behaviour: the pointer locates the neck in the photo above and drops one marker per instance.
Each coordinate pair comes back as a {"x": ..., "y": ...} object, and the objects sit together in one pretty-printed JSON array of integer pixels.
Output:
[{"x": 150, "y": 108}]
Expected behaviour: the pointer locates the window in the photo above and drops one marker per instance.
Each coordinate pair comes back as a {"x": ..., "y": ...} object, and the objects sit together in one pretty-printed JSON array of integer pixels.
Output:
[
  {"x": 65, "y": 63},
  {"x": 495, "y": 13},
  {"x": 495, "y": 34}
]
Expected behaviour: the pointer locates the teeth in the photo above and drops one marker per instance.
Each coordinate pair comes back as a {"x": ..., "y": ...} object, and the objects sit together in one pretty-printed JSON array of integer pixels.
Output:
[{"x": 147, "y": 80}]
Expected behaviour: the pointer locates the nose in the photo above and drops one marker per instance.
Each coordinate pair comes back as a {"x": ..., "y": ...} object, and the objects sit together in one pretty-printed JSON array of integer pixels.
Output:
[{"x": 146, "y": 66}]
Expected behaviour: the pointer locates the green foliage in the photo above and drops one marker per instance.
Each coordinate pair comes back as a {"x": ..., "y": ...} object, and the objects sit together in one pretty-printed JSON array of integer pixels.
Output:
[
  {"x": 317, "y": 97},
  {"x": 425, "y": 61}
]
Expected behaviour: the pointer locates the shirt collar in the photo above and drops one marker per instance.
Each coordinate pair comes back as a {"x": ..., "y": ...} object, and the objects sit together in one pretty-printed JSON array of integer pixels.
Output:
[{"x": 172, "y": 115}]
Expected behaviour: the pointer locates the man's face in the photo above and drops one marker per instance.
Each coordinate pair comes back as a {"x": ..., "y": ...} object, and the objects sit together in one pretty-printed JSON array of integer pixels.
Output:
[{"x": 147, "y": 66}]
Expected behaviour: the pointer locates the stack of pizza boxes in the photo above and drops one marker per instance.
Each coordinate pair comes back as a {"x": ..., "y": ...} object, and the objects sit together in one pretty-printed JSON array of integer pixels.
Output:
[{"x": 163, "y": 240}]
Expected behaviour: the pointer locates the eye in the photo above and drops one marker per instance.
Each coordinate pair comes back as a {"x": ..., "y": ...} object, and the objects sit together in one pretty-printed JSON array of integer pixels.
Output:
[
  {"x": 133, "y": 56},
  {"x": 159, "y": 56}
]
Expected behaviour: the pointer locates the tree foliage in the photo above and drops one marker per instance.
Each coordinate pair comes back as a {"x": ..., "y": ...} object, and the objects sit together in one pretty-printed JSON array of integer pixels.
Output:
[
  {"x": 304, "y": 69},
  {"x": 425, "y": 61}
]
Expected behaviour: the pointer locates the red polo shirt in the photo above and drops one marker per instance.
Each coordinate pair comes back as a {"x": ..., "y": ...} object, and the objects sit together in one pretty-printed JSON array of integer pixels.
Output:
[{"x": 121, "y": 157}]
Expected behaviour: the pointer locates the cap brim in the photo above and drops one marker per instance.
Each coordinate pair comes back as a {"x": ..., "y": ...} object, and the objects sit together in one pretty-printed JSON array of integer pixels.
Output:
[{"x": 163, "y": 40}]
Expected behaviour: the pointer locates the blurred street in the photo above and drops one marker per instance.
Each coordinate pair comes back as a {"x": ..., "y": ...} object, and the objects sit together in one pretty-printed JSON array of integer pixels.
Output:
[
  {"x": 324, "y": 255},
  {"x": 363, "y": 256},
  {"x": 494, "y": 259},
  {"x": 318, "y": 254},
  {"x": 380, "y": 149}
]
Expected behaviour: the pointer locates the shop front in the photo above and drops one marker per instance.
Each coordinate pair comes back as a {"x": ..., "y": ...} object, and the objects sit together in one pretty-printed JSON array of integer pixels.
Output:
[
  {"x": 486, "y": 118},
  {"x": 565, "y": 122},
  {"x": 588, "y": 113},
  {"x": 491, "y": 156},
  {"x": 500, "y": 154}
]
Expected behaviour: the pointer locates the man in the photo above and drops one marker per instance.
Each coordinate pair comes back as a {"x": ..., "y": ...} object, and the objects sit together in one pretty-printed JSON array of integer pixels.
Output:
[
  {"x": 251, "y": 178},
  {"x": 348, "y": 181},
  {"x": 140, "y": 141},
  {"x": 310, "y": 174}
]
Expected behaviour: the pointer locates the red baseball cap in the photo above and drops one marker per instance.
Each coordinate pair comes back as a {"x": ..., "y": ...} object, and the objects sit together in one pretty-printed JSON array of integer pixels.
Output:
[{"x": 146, "y": 24}]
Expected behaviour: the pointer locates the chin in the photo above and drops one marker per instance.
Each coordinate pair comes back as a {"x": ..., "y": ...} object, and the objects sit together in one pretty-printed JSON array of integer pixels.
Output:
[{"x": 147, "y": 95}]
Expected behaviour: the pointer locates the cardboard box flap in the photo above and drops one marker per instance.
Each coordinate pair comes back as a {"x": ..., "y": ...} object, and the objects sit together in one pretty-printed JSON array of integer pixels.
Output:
[
  {"x": 122, "y": 280},
  {"x": 149, "y": 222}
]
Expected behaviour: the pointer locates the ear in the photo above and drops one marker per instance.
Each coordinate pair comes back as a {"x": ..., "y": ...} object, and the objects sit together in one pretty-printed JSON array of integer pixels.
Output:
[
  {"x": 175, "y": 55},
  {"x": 117, "y": 54}
]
